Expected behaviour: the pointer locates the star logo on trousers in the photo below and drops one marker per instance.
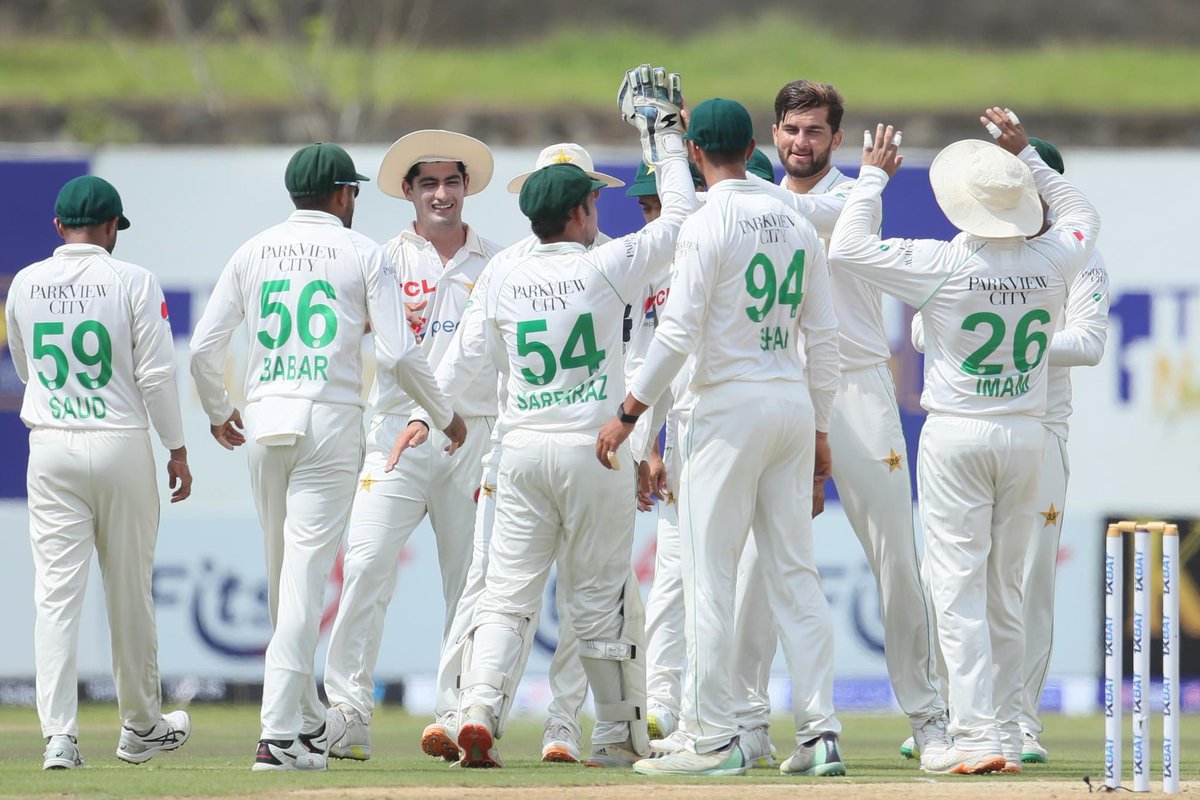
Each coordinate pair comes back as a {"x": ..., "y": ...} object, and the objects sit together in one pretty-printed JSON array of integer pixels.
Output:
[
  {"x": 488, "y": 491},
  {"x": 366, "y": 483},
  {"x": 1050, "y": 516},
  {"x": 893, "y": 460}
]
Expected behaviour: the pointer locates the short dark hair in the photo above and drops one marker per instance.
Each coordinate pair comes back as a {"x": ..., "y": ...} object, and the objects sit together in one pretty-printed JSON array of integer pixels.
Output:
[
  {"x": 544, "y": 228},
  {"x": 804, "y": 95},
  {"x": 725, "y": 158},
  {"x": 415, "y": 168},
  {"x": 314, "y": 202}
]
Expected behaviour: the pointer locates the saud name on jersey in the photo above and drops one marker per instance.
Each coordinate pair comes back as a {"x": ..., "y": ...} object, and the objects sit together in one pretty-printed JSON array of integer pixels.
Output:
[{"x": 550, "y": 295}]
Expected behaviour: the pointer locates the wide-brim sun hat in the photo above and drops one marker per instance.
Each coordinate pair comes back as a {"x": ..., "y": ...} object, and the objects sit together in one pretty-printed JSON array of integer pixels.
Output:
[
  {"x": 420, "y": 147},
  {"x": 985, "y": 190},
  {"x": 565, "y": 153}
]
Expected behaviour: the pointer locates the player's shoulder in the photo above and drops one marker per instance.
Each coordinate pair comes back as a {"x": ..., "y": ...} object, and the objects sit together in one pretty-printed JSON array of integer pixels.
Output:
[{"x": 489, "y": 249}]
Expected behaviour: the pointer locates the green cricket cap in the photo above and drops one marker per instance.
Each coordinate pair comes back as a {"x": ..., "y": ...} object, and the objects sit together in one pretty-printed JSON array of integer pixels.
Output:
[
  {"x": 720, "y": 125},
  {"x": 1049, "y": 154},
  {"x": 646, "y": 181},
  {"x": 88, "y": 200},
  {"x": 760, "y": 164},
  {"x": 319, "y": 168},
  {"x": 552, "y": 191}
]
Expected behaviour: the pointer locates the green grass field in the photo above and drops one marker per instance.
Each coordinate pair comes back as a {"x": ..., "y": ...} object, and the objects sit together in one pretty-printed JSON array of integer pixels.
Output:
[
  {"x": 216, "y": 763},
  {"x": 577, "y": 67}
]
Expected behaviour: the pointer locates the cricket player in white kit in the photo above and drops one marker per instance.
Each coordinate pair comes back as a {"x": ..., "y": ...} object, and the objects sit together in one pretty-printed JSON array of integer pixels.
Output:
[
  {"x": 438, "y": 262},
  {"x": 93, "y": 331},
  {"x": 870, "y": 471},
  {"x": 749, "y": 277},
  {"x": 466, "y": 359},
  {"x": 555, "y": 322},
  {"x": 310, "y": 287},
  {"x": 989, "y": 303}
]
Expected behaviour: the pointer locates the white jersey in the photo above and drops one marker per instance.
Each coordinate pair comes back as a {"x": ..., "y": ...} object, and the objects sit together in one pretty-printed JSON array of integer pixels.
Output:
[
  {"x": 989, "y": 306},
  {"x": 1078, "y": 340},
  {"x": 94, "y": 332},
  {"x": 749, "y": 276},
  {"x": 445, "y": 288},
  {"x": 309, "y": 287},
  {"x": 555, "y": 317}
]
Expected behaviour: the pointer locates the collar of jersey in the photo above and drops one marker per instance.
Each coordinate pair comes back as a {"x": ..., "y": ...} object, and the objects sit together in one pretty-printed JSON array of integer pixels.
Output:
[
  {"x": 473, "y": 245},
  {"x": 732, "y": 185},
  {"x": 80, "y": 249},
  {"x": 314, "y": 218},
  {"x": 559, "y": 247},
  {"x": 833, "y": 178}
]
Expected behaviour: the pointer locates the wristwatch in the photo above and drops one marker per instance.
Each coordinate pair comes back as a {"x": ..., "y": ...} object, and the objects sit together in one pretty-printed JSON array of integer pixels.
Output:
[{"x": 627, "y": 419}]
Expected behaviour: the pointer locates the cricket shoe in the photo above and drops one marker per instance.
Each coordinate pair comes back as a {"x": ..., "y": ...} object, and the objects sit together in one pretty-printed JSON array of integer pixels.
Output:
[
  {"x": 332, "y": 729},
  {"x": 619, "y": 755},
  {"x": 62, "y": 752},
  {"x": 169, "y": 733},
  {"x": 476, "y": 739},
  {"x": 820, "y": 755},
  {"x": 286, "y": 755},
  {"x": 1032, "y": 751},
  {"x": 560, "y": 744},
  {"x": 1011, "y": 767},
  {"x": 355, "y": 741},
  {"x": 437, "y": 739},
  {"x": 954, "y": 761},
  {"x": 757, "y": 750},
  {"x": 909, "y": 748},
  {"x": 661, "y": 723},
  {"x": 724, "y": 762},
  {"x": 677, "y": 741},
  {"x": 931, "y": 740}
]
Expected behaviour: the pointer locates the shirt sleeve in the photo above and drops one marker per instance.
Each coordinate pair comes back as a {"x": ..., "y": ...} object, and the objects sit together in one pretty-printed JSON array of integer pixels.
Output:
[
  {"x": 631, "y": 262},
  {"x": 822, "y": 210},
  {"x": 1081, "y": 341},
  {"x": 918, "y": 333},
  {"x": 210, "y": 342},
  {"x": 467, "y": 355},
  {"x": 16, "y": 344},
  {"x": 154, "y": 361},
  {"x": 396, "y": 349},
  {"x": 1072, "y": 236},
  {"x": 819, "y": 324},
  {"x": 910, "y": 270}
]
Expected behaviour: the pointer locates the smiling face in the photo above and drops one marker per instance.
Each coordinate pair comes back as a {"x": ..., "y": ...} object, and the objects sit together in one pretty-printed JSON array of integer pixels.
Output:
[
  {"x": 436, "y": 192},
  {"x": 805, "y": 141}
]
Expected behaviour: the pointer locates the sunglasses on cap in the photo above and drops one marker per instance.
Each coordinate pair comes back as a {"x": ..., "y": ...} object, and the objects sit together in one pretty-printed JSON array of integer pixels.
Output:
[{"x": 348, "y": 183}]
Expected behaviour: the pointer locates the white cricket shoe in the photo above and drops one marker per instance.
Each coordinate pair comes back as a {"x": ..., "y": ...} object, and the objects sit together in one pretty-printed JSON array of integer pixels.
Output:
[
  {"x": 476, "y": 738},
  {"x": 954, "y": 761},
  {"x": 560, "y": 744},
  {"x": 724, "y": 762},
  {"x": 355, "y": 739},
  {"x": 438, "y": 738},
  {"x": 1032, "y": 751},
  {"x": 677, "y": 741},
  {"x": 909, "y": 749},
  {"x": 289, "y": 755},
  {"x": 320, "y": 741},
  {"x": 620, "y": 755},
  {"x": 821, "y": 755},
  {"x": 169, "y": 733},
  {"x": 62, "y": 752},
  {"x": 931, "y": 740},
  {"x": 757, "y": 750},
  {"x": 661, "y": 723}
]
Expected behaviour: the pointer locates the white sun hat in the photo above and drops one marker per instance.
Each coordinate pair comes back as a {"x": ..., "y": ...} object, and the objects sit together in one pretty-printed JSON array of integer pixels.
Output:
[
  {"x": 564, "y": 153},
  {"x": 985, "y": 190},
  {"x": 420, "y": 147}
]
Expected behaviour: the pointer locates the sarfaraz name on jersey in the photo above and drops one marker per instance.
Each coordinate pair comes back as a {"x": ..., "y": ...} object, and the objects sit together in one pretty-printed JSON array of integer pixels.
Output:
[{"x": 592, "y": 389}]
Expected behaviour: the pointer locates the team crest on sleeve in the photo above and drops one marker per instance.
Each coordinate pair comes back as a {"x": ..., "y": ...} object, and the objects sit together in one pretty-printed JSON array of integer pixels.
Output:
[{"x": 163, "y": 311}]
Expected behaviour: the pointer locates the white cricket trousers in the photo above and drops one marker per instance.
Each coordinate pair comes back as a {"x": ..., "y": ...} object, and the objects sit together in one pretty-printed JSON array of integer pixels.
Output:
[
  {"x": 977, "y": 479},
  {"x": 666, "y": 650},
  {"x": 871, "y": 472},
  {"x": 568, "y": 684},
  {"x": 93, "y": 490},
  {"x": 553, "y": 498},
  {"x": 1040, "y": 566},
  {"x": 303, "y": 493},
  {"x": 388, "y": 506},
  {"x": 747, "y": 452}
]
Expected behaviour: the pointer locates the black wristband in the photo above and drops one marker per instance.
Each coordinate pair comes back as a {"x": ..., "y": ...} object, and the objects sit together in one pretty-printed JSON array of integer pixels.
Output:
[
  {"x": 627, "y": 419},
  {"x": 421, "y": 422}
]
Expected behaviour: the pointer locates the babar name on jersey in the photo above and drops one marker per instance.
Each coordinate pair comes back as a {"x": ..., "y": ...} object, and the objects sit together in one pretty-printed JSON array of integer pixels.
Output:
[
  {"x": 294, "y": 368},
  {"x": 71, "y": 298},
  {"x": 548, "y": 295},
  {"x": 298, "y": 256},
  {"x": 594, "y": 388},
  {"x": 1008, "y": 290},
  {"x": 769, "y": 228}
]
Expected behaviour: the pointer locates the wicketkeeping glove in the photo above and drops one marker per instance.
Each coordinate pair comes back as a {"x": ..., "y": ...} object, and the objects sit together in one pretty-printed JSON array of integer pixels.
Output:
[{"x": 650, "y": 100}]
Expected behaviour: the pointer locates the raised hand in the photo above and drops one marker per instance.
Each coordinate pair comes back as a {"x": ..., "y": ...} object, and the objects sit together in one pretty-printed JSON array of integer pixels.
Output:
[
  {"x": 651, "y": 100},
  {"x": 1005, "y": 128}
]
